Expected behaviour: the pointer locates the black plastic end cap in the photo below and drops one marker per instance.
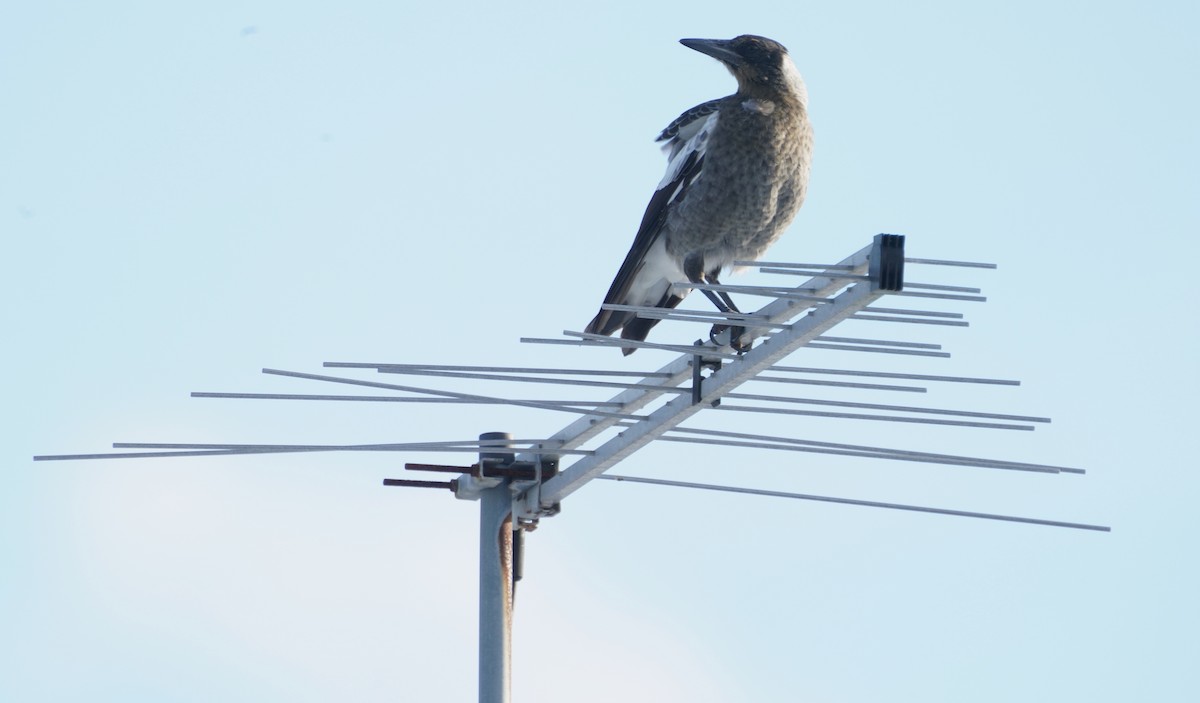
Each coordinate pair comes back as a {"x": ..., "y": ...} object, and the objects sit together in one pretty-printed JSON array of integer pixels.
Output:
[{"x": 887, "y": 262}]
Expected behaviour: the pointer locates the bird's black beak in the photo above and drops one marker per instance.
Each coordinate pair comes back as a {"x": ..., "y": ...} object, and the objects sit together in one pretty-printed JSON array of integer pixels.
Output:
[{"x": 716, "y": 48}]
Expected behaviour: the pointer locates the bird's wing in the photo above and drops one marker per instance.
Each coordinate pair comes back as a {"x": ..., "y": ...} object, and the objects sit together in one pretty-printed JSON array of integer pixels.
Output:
[
  {"x": 646, "y": 273},
  {"x": 686, "y": 126}
]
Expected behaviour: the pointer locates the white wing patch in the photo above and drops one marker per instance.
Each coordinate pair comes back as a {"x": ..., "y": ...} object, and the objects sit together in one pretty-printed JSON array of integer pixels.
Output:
[{"x": 691, "y": 138}]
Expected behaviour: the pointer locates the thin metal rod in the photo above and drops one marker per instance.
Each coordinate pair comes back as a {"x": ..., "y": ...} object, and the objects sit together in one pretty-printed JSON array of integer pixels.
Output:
[
  {"x": 715, "y": 314},
  {"x": 705, "y": 350},
  {"x": 747, "y": 444},
  {"x": 938, "y": 286},
  {"x": 130, "y": 455},
  {"x": 863, "y": 277},
  {"x": 446, "y": 394},
  {"x": 388, "y": 446},
  {"x": 784, "y": 264},
  {"x": 906, "y": 311},
  {"x": 878, "y": 406},
  {"x": 943, "y": 262},
  {"x": 533, "y": 379},
  {"x": 841, "y": 384},
  {"x": 877, "y": 350},
  {"x": 442, "y": 468},
  {"x": 905, "y": 376},
  {"x": 863, "y": 503},
  {"x": 496, "y": 369},
  {"x": 782, "y": 292},
  {"x": 912, "y": 321},
  {"x": 709, "y": 351},
  {"x": 677, "y": 317},
  {"x": 940, "y": 296},
  {"x": 885, "y": 452},
  {"x": 235, "y": 450},
  {"x": 243, "y": 449},
  {"x": 392, "y": 399},
  {"x": 880, "y": 418},
  {"x": 817, "y": 274},
  {"x": 414, "y": 483},
  {"x": 879, "y": 342},
  {"x": 319, "y": 448}
]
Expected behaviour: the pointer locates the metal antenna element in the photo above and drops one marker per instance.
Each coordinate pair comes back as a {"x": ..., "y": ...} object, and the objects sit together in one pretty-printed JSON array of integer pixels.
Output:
[
  {"x": 519, "y": 481},
  {"x": 850, "y": 501}
]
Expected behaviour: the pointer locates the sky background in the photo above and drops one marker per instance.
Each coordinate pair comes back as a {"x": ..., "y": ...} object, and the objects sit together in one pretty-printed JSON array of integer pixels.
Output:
[{"x": 188, "y": 195}]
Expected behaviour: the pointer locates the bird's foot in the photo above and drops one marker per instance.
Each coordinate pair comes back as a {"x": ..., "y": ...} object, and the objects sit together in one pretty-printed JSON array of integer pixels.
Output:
[{"x": 731, "y": 336}]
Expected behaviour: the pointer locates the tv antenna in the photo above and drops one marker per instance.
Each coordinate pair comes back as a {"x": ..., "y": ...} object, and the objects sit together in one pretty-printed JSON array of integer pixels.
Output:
[{"x": 520, "y": 481}]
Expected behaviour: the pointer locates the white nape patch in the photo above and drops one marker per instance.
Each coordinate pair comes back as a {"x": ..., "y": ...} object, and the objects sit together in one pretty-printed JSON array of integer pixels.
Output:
[
  {"x": 762, "y": 107},
  {"x": 792, "y": 75}
]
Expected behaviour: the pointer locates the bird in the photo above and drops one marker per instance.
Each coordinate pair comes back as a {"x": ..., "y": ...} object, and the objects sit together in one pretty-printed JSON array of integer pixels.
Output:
[{"x": 737, "y": 173}]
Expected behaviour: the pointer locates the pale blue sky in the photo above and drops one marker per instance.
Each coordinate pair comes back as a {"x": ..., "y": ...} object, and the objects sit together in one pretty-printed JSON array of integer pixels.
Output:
[{"x": 188, "y": 195}]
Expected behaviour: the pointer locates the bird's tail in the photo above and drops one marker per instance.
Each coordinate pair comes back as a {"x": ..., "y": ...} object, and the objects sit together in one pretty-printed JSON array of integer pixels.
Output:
[{"x": 632, "y": 327}]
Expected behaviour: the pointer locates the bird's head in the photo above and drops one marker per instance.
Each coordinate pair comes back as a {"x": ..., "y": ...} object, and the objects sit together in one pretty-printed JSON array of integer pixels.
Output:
[{"x": 760, "y": 65}]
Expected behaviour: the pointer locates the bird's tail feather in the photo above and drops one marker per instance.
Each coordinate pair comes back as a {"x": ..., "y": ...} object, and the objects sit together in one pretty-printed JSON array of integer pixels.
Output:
[
  {"x": 637, "y": 330},
  {"x": 631, "y": 326}
]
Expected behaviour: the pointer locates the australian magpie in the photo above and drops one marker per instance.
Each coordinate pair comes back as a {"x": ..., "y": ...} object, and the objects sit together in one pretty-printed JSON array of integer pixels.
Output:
[{"x": 736, "y": 175}]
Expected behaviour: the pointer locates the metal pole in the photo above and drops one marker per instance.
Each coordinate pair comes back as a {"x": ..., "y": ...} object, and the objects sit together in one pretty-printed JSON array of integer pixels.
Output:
[{"x": 495, "y": 581}]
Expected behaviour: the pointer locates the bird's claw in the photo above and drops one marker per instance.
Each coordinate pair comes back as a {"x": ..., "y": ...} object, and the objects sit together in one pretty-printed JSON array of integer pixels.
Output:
[{"x": 729, "y": 336}]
